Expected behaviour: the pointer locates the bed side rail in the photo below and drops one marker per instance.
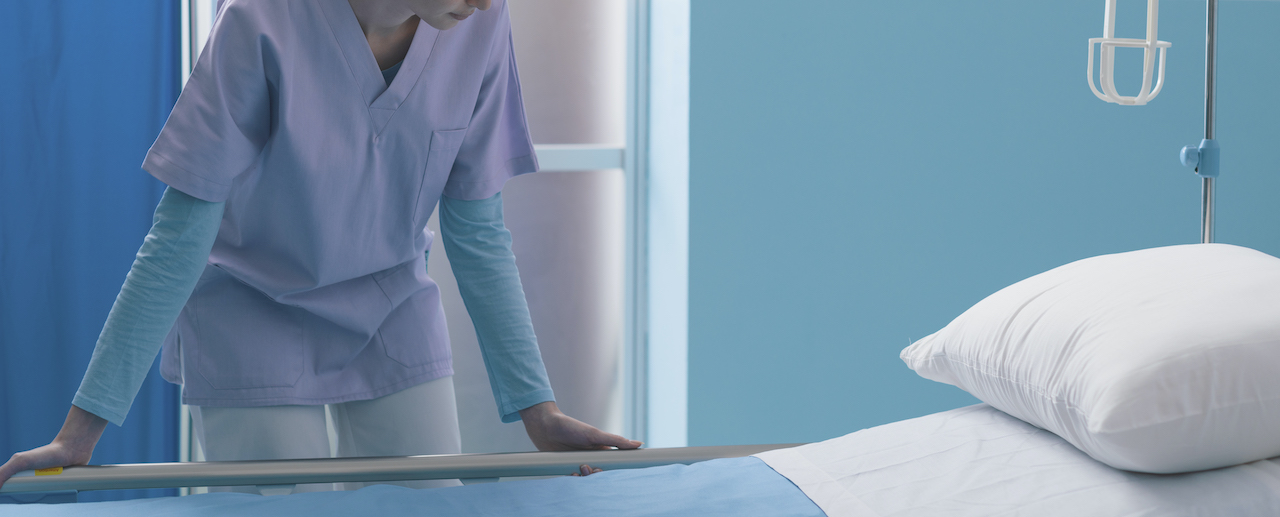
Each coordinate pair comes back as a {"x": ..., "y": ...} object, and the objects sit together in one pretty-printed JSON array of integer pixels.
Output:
[{"x": 402, "y": 468}]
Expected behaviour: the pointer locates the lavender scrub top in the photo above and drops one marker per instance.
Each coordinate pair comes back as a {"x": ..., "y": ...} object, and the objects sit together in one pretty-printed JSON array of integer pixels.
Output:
[{"x": 316, "y": 289}]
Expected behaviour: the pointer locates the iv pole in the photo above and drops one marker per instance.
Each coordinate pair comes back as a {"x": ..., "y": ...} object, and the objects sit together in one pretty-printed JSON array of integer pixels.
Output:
[
  {"x": 1210, "y": 119},
  {"x": 1204, "y": 157}
]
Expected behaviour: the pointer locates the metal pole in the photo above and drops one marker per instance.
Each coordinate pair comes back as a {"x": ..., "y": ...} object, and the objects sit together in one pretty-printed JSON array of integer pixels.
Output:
[
  {"x": 287, "y": 472},
  {"x": 1206, "y": 210},
  {"x": 636, "y": 333},
  {"x": 1210, "y": 115}
]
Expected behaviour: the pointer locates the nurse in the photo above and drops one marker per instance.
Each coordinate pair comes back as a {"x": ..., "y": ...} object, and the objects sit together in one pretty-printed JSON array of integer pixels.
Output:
[{"x": 286, "y": 267}]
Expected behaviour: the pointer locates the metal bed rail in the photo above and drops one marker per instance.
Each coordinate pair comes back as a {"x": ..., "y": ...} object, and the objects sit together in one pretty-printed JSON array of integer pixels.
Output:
[{"x": 330, "y": 470}]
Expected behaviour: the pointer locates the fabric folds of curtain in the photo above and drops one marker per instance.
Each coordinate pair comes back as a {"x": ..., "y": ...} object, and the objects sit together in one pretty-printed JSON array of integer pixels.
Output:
[{"x": 84, "y": 89}]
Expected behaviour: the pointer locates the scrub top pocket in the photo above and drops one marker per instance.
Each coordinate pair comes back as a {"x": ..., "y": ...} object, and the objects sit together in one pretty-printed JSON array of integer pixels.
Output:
[
  {"x": 402, "y": 287},
  {"x": 440, "y": 158},
  {"x": 228, "y": 311}
]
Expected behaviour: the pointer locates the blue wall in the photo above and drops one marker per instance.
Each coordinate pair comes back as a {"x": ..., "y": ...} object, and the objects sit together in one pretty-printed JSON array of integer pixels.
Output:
[
  {"x": 862, "y": 172},
  {"x": 84, "y": 89}
]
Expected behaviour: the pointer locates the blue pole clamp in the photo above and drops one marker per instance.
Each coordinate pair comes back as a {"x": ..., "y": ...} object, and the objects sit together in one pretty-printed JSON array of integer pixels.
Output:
[{"x": 1204, "y": 158}]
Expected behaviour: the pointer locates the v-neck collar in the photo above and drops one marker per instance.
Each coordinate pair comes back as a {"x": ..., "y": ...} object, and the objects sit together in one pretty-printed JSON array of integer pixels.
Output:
[{"x": 381, "y": 98}]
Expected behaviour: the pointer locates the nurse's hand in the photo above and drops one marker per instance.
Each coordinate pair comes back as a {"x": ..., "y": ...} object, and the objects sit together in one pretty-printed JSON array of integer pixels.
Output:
[
  {"x": 73, "y": 446},
  {"x": 552, "y": 430}
]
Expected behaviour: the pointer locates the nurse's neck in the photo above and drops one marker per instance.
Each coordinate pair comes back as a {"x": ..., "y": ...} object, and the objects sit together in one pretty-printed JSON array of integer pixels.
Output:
[{"x": 388, "y": 27}]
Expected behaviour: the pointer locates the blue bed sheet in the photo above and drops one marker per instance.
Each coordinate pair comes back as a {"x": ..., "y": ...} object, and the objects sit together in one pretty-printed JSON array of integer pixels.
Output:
[{"x": 736, "y": 486}]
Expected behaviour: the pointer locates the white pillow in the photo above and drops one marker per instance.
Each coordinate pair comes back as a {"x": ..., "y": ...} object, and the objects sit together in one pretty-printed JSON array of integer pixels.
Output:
[{"x": 1162, "y": 360}]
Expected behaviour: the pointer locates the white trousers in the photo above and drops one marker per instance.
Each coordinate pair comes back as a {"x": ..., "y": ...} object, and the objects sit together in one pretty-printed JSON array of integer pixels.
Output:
[{"x": 418, "y": 420}]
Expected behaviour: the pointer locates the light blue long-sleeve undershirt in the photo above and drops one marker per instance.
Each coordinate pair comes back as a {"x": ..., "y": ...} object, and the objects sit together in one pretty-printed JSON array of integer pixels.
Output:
[
  {"x": 162, "y": 277},
  {"x": 479, "y": 249},
  {"x": 174, "y": 255}
]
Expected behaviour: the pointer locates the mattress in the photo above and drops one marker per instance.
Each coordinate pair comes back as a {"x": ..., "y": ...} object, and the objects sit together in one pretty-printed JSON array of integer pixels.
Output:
[
  {"x": 972, "y": 461},
  {"x": 727, "y": 487},
  {"x": 978, "y": 461}
]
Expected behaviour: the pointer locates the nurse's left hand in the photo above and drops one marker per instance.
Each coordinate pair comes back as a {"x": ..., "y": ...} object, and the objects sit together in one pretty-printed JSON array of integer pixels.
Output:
[{"x": 552, "y": 430}]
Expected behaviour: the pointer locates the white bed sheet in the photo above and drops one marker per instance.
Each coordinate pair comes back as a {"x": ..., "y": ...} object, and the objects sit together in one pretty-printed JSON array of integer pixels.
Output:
[{"x": 978, "y": 461}]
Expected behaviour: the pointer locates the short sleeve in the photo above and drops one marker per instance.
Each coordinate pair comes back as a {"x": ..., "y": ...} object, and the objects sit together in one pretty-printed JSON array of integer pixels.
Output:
[
  {"x": 497, "y": 146},
  {"x": 222, "y": 119}
]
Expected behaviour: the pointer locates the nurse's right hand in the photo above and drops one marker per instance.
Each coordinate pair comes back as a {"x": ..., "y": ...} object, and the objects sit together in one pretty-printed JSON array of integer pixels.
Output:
[{"x": 73, "y": 446}]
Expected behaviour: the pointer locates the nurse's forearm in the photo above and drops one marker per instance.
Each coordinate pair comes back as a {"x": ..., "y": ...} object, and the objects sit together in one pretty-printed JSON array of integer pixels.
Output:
[
  {"x": 166, "y": 270},
  {"x": 479, "y": 249}
]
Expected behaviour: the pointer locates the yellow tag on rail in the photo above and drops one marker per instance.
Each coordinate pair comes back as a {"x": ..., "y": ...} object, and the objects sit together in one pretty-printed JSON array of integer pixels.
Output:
[{"x": 52, "y": 471}]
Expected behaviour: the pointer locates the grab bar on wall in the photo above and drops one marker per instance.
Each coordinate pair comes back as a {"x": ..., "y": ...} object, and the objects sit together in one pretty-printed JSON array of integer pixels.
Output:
[{"x": 402, "y": 468}]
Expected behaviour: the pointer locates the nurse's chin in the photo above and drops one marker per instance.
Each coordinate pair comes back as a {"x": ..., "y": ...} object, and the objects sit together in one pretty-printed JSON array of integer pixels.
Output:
[{"x": 443, "y": 22}]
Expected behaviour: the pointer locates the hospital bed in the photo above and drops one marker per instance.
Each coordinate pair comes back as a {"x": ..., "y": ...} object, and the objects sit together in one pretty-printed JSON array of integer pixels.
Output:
[
  {"x": 972, "y": 461},
  {"x": 1158, "y": 360},
  {"x": 969, "y": 461}
]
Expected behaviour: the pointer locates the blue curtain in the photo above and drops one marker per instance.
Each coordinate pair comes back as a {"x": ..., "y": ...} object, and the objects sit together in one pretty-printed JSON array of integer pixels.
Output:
[{"x": 85, "y": 87}]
